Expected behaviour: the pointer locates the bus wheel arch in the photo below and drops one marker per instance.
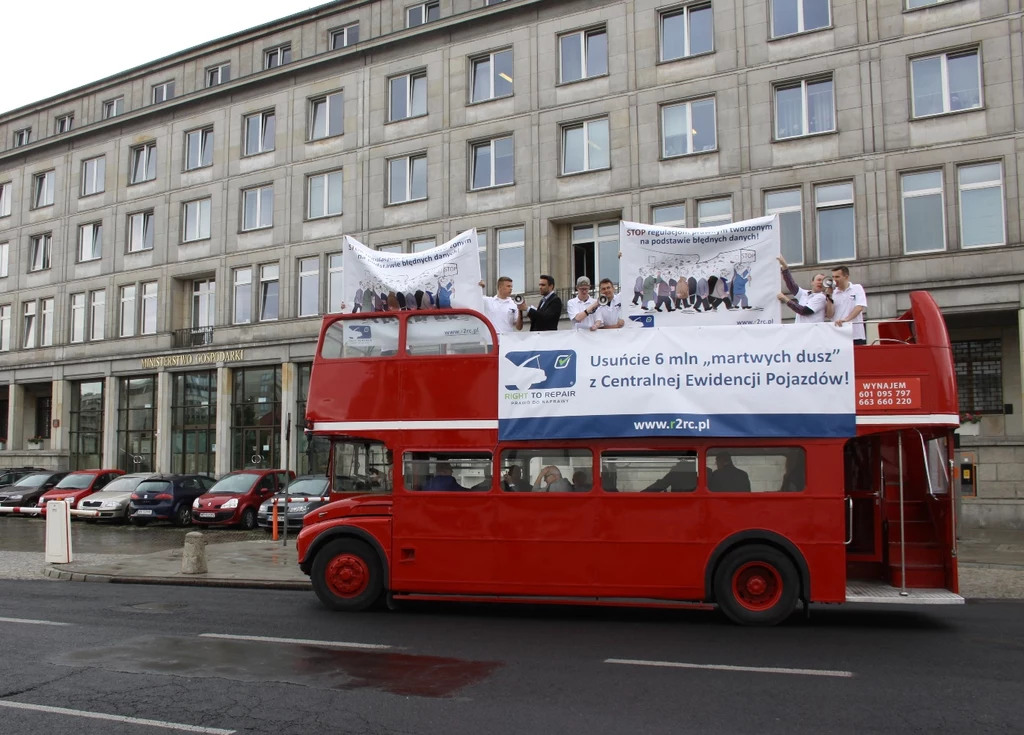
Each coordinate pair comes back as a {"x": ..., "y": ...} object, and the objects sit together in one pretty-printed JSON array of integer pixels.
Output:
[
  {"x": 762, "y": 538},
  {"x": 348, "y": 570}
]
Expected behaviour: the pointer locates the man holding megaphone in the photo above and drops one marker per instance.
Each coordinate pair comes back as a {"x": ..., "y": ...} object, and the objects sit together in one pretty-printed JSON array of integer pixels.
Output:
[
  {"x": 609, "y": 308},
  {"x": 810, "y": 306}
]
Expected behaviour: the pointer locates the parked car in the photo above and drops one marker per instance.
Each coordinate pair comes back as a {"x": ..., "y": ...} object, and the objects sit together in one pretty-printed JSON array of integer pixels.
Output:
[
  {"x": 10, "y": 475},
  {"x": 236, "y": 498},
  {"x": 78, "y": 485},
  {"x": 27, "y": 491},
  {"x": 167, "y": 498},
  {"x": 112, "y": 500},
  {"x": 304, "y": 494}
]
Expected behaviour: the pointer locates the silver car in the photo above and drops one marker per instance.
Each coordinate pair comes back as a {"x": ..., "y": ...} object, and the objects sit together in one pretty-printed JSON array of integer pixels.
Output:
[
  {"x": 305, "y": 494},
  {"x": 112, "y": 500}
]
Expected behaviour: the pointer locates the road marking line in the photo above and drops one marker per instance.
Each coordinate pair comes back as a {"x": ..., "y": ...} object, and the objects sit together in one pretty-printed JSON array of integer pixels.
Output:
[
  {"x": 304, "y": 641},
  {"x": 726, "y": 667},
  {"x": 116, "y": 718},
  {"x": 31, "y": 622}
]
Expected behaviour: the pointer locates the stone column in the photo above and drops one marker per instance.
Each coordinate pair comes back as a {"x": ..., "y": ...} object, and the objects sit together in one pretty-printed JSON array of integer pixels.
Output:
[
  {"x": 289, "y": 397},
  {"x": 111, "y": 389},
  {"x": 164, "y": 436},
  {"x": 225, "y": 382},
  {"x": 60, "y": 392},
  {"x": 15, "y": 416}
]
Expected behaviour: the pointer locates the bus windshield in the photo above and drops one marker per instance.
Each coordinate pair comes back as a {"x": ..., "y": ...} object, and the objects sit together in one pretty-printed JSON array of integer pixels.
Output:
[{"x": 361, "y": 466}]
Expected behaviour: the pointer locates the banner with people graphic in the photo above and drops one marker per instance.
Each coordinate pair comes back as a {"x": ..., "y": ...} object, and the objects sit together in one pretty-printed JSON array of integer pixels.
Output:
[
  {"x": 445, "y": 277},
  {"x": 674, "y": 276}
]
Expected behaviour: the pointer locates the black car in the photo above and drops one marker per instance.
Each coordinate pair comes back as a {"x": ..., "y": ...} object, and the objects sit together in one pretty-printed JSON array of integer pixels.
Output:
[
  {"x": 28, "y": 490},
  {"x": 305, "y": 494},
  {"x": 167, "y": 498},
  {"x": 10, "y": 475}
]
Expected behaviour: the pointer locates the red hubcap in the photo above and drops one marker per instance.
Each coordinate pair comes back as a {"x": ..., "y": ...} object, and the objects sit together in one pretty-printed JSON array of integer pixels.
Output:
[
  {"x": 757, "y": 586},
  {"x": 347, "y": 575}
]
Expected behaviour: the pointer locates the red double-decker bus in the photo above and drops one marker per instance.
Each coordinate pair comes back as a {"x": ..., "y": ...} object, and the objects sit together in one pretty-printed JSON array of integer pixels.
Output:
[{"x": 409, "y": 401}]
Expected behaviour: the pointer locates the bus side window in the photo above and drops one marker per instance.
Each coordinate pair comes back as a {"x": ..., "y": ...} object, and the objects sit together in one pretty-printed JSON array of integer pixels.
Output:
[
  {"x": 451, "y": 472},
  {"x": 454, "y": 334},
  {"x": 649, "y": 472},
  {"x": 756, "y": 470},
  {"x": 547, "y": 470}
]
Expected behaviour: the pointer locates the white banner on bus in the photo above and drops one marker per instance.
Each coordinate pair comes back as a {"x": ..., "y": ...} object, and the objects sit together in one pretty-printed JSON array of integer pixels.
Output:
[
  {"x": 731, "y": 381},
  {"x": 672, "y": 276},
  {"x": 444, "y": 277}
]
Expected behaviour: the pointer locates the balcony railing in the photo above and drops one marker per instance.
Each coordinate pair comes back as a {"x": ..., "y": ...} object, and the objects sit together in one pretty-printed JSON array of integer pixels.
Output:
[{"x": 193, "y": 337}]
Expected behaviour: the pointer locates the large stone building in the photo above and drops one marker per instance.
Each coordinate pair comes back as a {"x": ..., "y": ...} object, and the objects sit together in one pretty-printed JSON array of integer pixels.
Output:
[{"x": 169, "y": 235}]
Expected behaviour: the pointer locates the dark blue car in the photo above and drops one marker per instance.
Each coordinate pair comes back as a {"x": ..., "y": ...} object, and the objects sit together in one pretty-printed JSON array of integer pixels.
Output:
[{"x": 167, "y": 498}]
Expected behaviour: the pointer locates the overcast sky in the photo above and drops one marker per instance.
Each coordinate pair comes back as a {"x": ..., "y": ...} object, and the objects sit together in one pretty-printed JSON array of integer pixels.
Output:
[{"x": 62, "y": 44}]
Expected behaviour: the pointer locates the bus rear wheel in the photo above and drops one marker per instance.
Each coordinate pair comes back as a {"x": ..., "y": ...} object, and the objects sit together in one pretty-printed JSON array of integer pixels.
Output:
[
  {"x": 347, "y": 575},
  {"x": 757, "y": 585}
]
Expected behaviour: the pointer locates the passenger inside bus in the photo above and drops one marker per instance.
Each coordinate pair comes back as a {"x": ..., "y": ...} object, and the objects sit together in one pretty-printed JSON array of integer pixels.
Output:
[
  {"x": 425, "y": 471},
  {"x": 680, "y": 479},
  {"x": 727, "y": 477},
  {"x": 581, "y": 481},
  {"x": 513, "y": 481},
  {"x": 442, "y": 479},
  {"x": 550, "y": 480},
  {"x": 793, "y": 480}
]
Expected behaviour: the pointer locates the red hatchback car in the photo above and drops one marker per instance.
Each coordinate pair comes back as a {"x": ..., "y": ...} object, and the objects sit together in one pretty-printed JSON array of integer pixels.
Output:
[
  {"x": 77, "y": 485},
  {"x": 236, "y": 498}
]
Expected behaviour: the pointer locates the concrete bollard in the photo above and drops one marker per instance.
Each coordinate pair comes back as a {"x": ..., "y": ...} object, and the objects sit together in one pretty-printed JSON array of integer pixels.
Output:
[{"x": 193, "y": 558}]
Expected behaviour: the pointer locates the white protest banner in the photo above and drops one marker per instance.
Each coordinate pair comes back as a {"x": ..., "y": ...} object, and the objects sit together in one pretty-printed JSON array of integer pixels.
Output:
[
  {"x": 445, "y": 277},
  {"x": 731, "y": 381},
  {"x": 672, "y": 276}
]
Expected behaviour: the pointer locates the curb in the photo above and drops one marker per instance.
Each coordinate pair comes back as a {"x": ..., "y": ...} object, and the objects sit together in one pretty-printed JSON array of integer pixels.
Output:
[{"x": 257, "y": 584}]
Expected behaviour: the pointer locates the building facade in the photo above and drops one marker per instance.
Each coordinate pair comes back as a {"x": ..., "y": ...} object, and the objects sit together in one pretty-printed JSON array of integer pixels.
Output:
[{"x": 170, "y": 236}]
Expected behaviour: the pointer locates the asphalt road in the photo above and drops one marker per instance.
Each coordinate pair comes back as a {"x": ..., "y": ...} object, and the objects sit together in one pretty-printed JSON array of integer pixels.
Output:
[{"x": 145, "y": 652}]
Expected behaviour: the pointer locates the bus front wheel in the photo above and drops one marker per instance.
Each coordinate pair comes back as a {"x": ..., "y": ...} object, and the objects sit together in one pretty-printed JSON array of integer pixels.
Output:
[
  {"x": 347, "y": 575},
  {"x": 757, "y": 585}
]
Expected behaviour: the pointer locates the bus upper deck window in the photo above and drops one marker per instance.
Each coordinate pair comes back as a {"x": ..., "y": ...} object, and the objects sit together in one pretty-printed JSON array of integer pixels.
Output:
[
  {"x": 372, "y": 337},
  {"x": 444, "y": 334}
]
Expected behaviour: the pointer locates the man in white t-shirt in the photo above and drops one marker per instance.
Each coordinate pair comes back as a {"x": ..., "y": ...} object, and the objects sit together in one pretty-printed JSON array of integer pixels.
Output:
[
  {"x": 581, "y": 307},
  {"x": 850, "y": 303},
  {"x": 810, "y": 307},
  {"x": 609, "y": 314},
  {"x": 501, "y": 310}
]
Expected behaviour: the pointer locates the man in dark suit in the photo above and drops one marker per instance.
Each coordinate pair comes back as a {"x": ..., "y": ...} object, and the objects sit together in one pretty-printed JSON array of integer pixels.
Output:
[{"x": 545, "y": 315}]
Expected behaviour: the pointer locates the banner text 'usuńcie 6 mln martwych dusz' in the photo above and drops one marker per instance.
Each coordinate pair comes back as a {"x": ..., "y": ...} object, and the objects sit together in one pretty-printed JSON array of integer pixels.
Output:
[{"x": 730, "y": 381}]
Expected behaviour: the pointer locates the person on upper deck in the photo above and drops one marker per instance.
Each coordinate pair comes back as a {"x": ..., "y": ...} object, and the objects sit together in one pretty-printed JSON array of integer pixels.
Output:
[
  {"x": 810, "y": 306},
  {"x": 581, "y": 307},
  {"x": 850, "y": 303},
  {"x": 608, "y": 315},
  {"x": 545, "y": 315},
  {"x": 501, "y": 310}
]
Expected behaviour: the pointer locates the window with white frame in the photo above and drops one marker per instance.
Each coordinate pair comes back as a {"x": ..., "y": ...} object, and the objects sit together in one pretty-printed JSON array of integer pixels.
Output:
[
  {"x": 687, "y": 32},
  {"x": 512, "y": 255},
  {"x": 242, "y": 308},
  {"x": 42, "y": 189},
  {"x": 196, "y": 220},
  {"x": 335, "y": 295},
  {"x": 39, "y": 252},
  {"x": 407, "y": 179},
  {"x": 913, "y": 4},
  {"x": 149, "y": 307},
  {"x": 143, "y": 160},
  {"x": 260, "y": 129},
  {"x": 797, "y": 16},
  {"x": 493, "y": 163},
  {"x": 324, "y": 195},
  {"x": 670, "y": 215},
  {"x": 77, "y": 317},
  {"x": 395, "y": 247},
  {"x": 258, "y": 208},
  {"x": 270, "y": 284},
  {"x": 982, "y": 215},
  {"x": 275, "y": 57},
  {"x": 140, "y": 231},
  {"x": 788, "y": 204},
  {"x": 198, "y": 148},
  {"x": 218, "y": 74},
  {"x": 63, "y": 124},
  {"x": 418, "y": 246},
  {"x": 924, "y": 212},
  {"x": 407, "y": 96},
  {"x": 944, "y": 83},
  {"x": 421, "y": 13},
  {"x": 833, "y": 205},
  {"x": 492, "y": 76},
  {"x": 163, "y": 92},
  {"x": 804, "y": 108},
  {"x": 29, "y": 325},
  {"x": 46, "y": 322},
  {"x": 90, "y": 241},
  {"x": 22, "y": 137},
  {"x": 582, "y": 55},
  {"x": 5, "y": 328},
  {"x": 5, "y": 254},
  {"x": 595, "y": 248},
  {"x": 113, "y": 108},
  {"x": 309, "y": 287},
  {"x": 688, "y": 127},
  {"x": 342, "y": 37},
  {"x": 585, "y": 146},
  {"x": 481, "y": 248},
  {"x": 204, "y": 303},
  {"x": 5, "y": 199},
  {"x": 714, "y": 212},
  {"x": 97, "y": 314},
  {"x": 327, "y": 116},
  {"x": 94, "y": 171},
  {"x": 128, "y": 311}
]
